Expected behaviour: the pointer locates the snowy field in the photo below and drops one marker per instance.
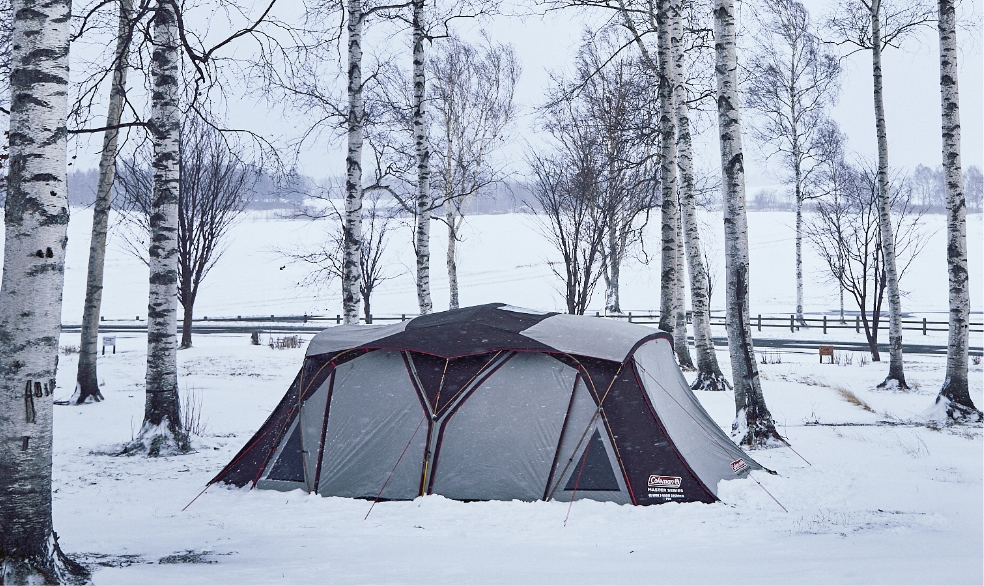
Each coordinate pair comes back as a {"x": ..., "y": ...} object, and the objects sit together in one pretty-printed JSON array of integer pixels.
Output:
[
  {"x": 503, "y": 258},
  {"x": 883, "y": 499}
]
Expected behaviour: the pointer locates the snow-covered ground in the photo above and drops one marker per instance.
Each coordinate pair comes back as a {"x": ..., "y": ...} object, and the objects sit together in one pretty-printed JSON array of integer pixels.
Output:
[{"x": 882, "y": 500}]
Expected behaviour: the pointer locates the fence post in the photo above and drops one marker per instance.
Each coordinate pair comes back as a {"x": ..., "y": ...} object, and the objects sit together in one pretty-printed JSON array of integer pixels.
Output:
[
  {"x": 403, "y": 317},
  {"x": 857, "y": 324},
  {"x": 368, "y": 318},
  {"x": 825, "y": 324},
  {"x": 597, "y": 314},
  {"x": 792, "y": 323},
  {"x": 630, "y": 317},
  {"x": 338, "y": 319},
  {"x": 924, "y": 326},
  {"x": 760, "y": 322}
]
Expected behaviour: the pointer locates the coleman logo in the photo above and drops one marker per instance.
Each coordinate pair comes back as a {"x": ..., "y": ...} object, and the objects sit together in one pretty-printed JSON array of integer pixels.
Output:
[
  {"x": 738, "y": 465},
  {"x": 667, "y": 481}
]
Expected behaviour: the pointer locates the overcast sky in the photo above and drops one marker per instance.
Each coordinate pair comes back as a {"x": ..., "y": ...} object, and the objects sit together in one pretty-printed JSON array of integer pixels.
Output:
[{"x": 546, "y": 44}]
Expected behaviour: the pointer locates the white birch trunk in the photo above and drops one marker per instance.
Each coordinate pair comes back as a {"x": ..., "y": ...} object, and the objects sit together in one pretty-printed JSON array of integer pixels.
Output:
[
  {"x": 799, "y": 234},
  {"x": 611, "y": 272},
  {"x": 753, "y": 424},
  {"x": 161, "y": 432},
  {"x": 896, "y": 376},
  {"x": 709, "y": 376},
  {"x": 954, "y": 398},
  {"x": 680, "y": 317},
  {"x": 87, "y": 385},
  {"x": 422, "y": 149},
  {"x": 667, "y": 172},
  {"x": 452, "y": 261},
  {"x": 680, "y": 303},
  {"x": 352, "y": 225},
  {"x": 36, "y": 233}
]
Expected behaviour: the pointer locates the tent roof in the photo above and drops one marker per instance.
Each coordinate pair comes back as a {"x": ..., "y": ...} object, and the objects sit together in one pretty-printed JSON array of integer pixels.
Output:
[{"x": 489, "y": 328}]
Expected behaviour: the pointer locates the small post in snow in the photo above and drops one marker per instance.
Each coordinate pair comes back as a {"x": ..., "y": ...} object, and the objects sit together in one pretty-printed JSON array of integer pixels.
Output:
[
  {"x": 824, "y": 324},
  {"x": 924, "y": 326}
]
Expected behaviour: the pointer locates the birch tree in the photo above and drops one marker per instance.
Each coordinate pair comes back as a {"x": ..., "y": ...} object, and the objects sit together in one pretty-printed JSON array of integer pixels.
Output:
[
  {"x": 667, "y": 172},
  {"x": 954, "y": 398},
  {"x": 709, "y": 375},
  {"x": 688, "y": 46},
  {"x": 753, "y": 424},
  {"x": 875, "y": 25},
  {"x": 298, "y": 73},
  {"x": 422, "y": 150},
  {"x": 472, "y": 92},
  {"x": 87, "y": 381},
  {"x": 352, "y": 227},
  {"x": 161, "y": 432},
  {"x": 793, "y": 82},
  {"x": 35, "y": 237}
]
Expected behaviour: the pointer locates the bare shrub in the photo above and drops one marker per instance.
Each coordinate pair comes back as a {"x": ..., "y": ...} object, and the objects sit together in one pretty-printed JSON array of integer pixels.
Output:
[
  {"x": 69, "y": 349},
  {"x": 771, "y": 357},
  {"x": 191, "y": 412},
  {"x": 863, "y": 361},
  {"x": 853, "y": 399},
  {"x": 976, "y": 359},
  {"x": 285, "y": 342}
]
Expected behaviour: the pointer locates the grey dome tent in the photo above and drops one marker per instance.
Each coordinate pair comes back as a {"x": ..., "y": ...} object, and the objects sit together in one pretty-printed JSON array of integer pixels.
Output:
[{"x": 491, "y": 402}]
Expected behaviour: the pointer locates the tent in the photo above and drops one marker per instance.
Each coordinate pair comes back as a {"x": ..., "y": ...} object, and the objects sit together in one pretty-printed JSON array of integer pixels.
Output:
[{"x": 491, "y": 402}]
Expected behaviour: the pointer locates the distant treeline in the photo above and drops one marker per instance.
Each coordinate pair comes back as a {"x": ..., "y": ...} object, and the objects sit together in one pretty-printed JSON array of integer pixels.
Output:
[
  {"x": 924, "y": 187},
  {"x": 291, "y": 192}
]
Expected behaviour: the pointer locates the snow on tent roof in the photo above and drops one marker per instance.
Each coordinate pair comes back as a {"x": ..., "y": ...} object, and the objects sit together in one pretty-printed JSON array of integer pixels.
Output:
[{"x": 489, "y": 328}]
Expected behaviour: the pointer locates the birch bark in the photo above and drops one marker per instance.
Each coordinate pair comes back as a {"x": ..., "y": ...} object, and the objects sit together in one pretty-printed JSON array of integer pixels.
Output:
[
  {"x": 799, "y": 233},
  {"x": 709, "y": 376},
  {"x": 611, "y": 272},
  {"x": 753, "y": 424},
  {"x": 896, "y": 376},
  {"x": 352, "y": 225},
  {"x": 667, "y": 172},
  {"x": 161, "y": 433},
  {"x": 422, "y": 148},
  {"x": 87, "y": 381},
  {"x": 680, "y": 291},
  {"x": 954, "y": 398},
  {"x": 36, "y": 233},
  {"x": 680, "y": 302},
  {"x": 453, "y": 224}
]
